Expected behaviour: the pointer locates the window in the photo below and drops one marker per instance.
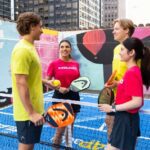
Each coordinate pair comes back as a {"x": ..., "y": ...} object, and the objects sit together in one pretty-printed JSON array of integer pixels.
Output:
[
  {"x": 41, "y": 9},
  {"x": 51, "y": 8},
  {"x": 68, "y": 13},
  {"x": 68, "y": 5},
  {"x": 35, "y": 2},
  {"x": 74, "y": 5},
  {"x": 40, "y": 1},
  {"x": 51, "y": 14}
]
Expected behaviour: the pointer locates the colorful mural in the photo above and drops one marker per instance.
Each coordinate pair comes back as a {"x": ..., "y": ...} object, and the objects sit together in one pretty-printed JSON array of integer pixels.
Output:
[
  {"x": 47, "y": 48},
  {"x": 8, "y": 38},
  {"x": 93, "y": 49}
]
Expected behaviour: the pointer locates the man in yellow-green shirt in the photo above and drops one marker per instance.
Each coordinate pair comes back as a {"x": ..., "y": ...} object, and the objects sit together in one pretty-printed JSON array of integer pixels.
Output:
[
  {"x": 123, "y": 28},
  {"x": 26, "y": 73}
]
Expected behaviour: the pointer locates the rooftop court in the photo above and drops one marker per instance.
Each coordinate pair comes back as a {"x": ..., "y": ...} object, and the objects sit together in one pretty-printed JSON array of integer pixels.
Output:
[{"x": 89, "y": 127}]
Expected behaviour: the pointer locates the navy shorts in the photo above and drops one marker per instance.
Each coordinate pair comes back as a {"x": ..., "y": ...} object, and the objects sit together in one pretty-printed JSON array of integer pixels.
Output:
[
  {"x": 125, "y": 130},
  {"x": 69, "y": 96},
  {"x": 28, "y": 133}
]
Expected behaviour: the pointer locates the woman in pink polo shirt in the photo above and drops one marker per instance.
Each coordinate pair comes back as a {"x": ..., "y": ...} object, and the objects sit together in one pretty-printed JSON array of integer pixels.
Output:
[
  {"x": 66, "y": 70},
  {"x": 129, "y": 97}
]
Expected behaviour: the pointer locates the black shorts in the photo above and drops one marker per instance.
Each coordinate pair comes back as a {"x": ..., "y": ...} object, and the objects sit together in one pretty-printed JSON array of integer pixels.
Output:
[
  {"x": 125, "y": 131},
  {"x": 28, "y": 133},
  {"x": 69, "y": 96}
]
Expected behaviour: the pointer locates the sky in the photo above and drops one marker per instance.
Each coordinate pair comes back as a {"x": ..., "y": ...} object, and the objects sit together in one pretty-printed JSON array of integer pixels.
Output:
[{"x": 138, "y": 11}]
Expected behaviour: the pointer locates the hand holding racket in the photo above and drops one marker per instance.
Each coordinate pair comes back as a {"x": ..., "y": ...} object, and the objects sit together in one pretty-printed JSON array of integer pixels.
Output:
[{"x": 59, "y": 115}]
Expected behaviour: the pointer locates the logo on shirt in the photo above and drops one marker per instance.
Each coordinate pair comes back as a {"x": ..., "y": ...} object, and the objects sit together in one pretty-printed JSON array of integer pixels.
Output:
[
  {"x": 121, "y": 81},
  {"x": 67, "y": 68}
]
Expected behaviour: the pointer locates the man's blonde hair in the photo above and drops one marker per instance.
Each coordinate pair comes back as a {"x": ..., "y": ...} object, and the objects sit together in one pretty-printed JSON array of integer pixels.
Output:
[{"x": 126, "y": 24}]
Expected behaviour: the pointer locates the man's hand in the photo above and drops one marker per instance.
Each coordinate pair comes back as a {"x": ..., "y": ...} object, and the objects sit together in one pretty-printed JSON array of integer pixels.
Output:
[
  {"x": 37, "y": 119},
  {"x": 112, "y": 85}
]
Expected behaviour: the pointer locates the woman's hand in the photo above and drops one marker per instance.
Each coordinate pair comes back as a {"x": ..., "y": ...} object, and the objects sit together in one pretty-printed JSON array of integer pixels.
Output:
[
  {"x": 105, "y": 108},
  {"x": 63, "y": 90},
  {"x": 50, "y": 84}
]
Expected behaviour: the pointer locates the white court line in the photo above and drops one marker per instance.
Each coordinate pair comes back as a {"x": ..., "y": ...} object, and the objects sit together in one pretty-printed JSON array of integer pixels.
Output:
[
  {"x": 5, "y": 113},
  {"x": 101, "y": 128},
  {"x": 6, "y": 107},
  {"x": 6, "y": 95},
  {"x": 8, "y": 128},
  {"x": 145, "y": 138},
  {"x": 89, "y": 119},
  {"x": 88, "y": 128},
  {"x": 77, "y": 126}
]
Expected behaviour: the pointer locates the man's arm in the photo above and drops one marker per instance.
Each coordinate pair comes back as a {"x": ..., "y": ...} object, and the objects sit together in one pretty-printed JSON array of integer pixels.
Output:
[{"x": 23, "y": 89}]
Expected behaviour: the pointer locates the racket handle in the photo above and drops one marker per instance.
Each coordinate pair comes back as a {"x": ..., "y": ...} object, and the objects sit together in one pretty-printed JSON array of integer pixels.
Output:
[
  {"x": 111, "y": 78},
  {"x": 44, "y": 116}
]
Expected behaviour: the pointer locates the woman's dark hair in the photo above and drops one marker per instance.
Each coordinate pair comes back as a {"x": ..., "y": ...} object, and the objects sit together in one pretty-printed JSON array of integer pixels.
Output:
[
  {"x": 143, "y": 53},
  {"x": 67, "y": 41},
  {"x": 25, "y": 21}
]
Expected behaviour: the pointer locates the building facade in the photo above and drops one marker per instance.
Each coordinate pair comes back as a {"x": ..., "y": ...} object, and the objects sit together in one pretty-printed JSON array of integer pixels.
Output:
[
  {"x": 5, "y": 9},
  {"x": 63, "y": 14},
  {"x": 121, "y": 8},
  {"x": 109, "y": 12}
]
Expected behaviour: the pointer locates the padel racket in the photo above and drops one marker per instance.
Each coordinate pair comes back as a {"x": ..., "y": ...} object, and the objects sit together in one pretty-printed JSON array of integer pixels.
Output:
[
  {"x": 80, "y": 84},
  {"x": 106, "y": 96},
  {"x": 59, "y": 115},
  {"x": 111, "y": 78}
]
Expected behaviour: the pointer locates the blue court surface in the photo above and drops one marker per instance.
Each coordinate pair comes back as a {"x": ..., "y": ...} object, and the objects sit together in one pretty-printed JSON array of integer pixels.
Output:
[{"x": 89, "y": 128}]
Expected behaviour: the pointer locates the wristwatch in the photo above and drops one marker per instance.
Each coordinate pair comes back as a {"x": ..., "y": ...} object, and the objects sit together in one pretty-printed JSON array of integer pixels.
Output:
[{"x": 113, "y": 108}]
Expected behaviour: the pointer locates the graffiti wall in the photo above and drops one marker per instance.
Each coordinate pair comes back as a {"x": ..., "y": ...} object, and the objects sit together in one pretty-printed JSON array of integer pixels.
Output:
[
  {"x": 8, "y": 38},
  {"x": 93, "y": 49},
  {"x": 47, "y": 48}
]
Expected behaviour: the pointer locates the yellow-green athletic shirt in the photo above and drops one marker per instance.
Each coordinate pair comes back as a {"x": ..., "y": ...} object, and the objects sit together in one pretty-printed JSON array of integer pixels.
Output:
[
  {"x": 118, "y": 65},
  {"x": 25, "y": 60}
]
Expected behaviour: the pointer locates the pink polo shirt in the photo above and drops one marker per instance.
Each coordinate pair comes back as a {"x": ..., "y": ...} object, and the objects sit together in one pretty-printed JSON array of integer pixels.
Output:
[
  {"x": 131, "y": 85},
  {"x": 65, "y": 71}
]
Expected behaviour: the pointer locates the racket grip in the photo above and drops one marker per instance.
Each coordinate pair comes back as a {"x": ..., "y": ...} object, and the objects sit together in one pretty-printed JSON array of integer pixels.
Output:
[{"x": 44, "y": 116}]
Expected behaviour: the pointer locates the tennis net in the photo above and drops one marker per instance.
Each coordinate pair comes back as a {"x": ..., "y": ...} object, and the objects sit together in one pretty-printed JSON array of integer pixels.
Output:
[{"x": 89, "y": 131}]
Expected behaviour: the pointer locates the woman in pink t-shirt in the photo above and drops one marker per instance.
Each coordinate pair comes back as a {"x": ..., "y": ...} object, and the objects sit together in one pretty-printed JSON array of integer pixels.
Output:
[
  {"x": 66, "y": 70},
  {"x": 129, "y": 96}
]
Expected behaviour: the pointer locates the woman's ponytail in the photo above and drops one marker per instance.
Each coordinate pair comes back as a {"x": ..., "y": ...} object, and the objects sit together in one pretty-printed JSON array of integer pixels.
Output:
[{"x": 145, "y": 67}]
